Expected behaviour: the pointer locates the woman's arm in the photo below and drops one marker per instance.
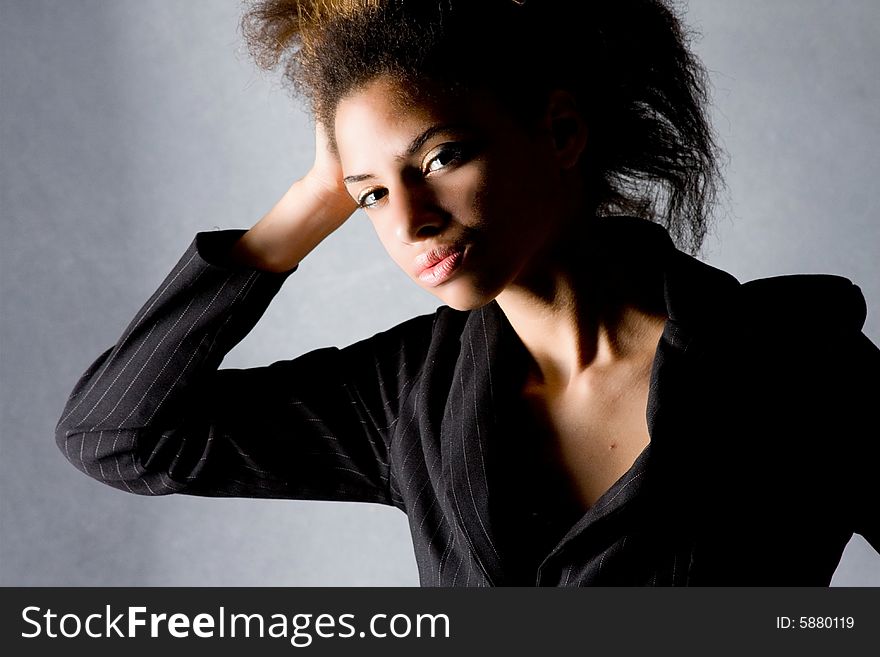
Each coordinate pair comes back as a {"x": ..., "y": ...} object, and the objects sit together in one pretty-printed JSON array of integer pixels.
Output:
[{"x": 154, "y": 415}]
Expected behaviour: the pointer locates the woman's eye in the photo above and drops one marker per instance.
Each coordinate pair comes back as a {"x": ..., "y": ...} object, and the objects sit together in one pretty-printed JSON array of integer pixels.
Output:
[
  {"x": 443, "y": 158},
  {"x": 369, "y": 198}
]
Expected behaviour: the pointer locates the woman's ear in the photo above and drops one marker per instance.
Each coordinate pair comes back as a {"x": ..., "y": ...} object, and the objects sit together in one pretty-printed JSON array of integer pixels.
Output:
[{"x": 566, "y": 126}]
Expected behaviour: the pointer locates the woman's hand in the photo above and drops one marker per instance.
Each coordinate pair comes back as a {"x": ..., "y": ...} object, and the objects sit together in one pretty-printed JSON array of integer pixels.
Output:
[
  {"x": 325, "y": 175},
  {"x": 311, "y": 209}
]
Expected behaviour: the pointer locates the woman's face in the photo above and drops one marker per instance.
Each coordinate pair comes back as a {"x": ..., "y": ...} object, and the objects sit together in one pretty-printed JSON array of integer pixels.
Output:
[{"x": 461, "y": 195}]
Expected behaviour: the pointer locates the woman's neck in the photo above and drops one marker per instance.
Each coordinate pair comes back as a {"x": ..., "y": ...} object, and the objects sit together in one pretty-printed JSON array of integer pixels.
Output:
[{"x": 590, "y": 300}]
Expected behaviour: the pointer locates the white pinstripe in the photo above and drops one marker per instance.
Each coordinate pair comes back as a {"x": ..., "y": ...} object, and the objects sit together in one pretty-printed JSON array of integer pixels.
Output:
[
  {"x": 358, "y": 472},
  {"x": 118, "y": 458},
  {"x": 162, "y": 480},
  {"x": 183, "y": 444},
  {"x": 265, "y": 473},
  {"x": 433, "y": 502},
  {"x": 82, "y": 444},
  {"x": 443, "y": 558},
  {"x": 455, "y": 576},
  {"x": 611, "y": 499},
  {"x": 403, "y": 432},
  {"x": 140, "y": 471},
  {"x": 468, "y": 476},
  {"x": 101, "y": 460},
  {"x": 476, "y": 408},
  {"x": 427, "y": 478},
  {"x": 690, "y": 565},
  {"x": 602, "y": 559}
]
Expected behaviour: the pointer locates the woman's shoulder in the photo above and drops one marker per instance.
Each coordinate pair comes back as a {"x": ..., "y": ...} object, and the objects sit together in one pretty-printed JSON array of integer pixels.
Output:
[
  {"x": 817, "y": 320},
  {"x": 782, "y": 309},
  {"x": 414, "y": 341},
  {"x": 811, "y": 301},
  {"x": 793, "y": 317}
]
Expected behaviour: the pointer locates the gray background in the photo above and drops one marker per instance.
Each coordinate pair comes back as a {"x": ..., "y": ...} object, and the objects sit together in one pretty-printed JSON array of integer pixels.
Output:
[{"x": 128, "y": 126}]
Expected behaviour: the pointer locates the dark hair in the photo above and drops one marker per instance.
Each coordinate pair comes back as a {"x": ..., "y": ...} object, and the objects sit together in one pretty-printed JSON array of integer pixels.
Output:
[{"x": 652, "y": 152}]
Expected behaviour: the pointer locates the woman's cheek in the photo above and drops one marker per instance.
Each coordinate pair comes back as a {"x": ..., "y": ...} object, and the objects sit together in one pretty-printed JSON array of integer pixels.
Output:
[{"x": 463, "y": 194}]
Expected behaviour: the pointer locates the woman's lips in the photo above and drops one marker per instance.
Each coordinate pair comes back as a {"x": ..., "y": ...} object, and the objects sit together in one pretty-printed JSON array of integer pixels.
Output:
[{"x": 443, "y": 264}]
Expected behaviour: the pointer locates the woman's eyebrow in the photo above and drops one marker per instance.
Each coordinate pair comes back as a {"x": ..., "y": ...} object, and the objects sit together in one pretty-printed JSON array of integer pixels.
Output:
[
  {"x": 419, "y": 141},
  {"x": 414, "y": 147}
]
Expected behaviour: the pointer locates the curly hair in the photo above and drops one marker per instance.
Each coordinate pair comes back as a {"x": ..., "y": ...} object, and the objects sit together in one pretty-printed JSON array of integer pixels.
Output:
[{"x": 652, "y": 151}]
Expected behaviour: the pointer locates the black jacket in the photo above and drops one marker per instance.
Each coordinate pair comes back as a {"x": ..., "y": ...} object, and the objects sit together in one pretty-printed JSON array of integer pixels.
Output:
[{"x": 763, "y": 457}]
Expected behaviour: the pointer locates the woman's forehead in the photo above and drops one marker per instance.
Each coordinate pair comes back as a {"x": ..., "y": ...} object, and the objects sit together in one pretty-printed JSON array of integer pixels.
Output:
[
  {"x": 372, "y": 123},
  {"x": 390, "y": 104}
]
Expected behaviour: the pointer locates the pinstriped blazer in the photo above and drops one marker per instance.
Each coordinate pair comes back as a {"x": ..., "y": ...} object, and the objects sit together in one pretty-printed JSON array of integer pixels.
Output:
[{"x": 762, "y": 460}]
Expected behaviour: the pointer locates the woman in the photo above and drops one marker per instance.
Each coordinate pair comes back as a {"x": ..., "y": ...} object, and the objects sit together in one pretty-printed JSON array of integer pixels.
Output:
[{"x": 591, "y": 405}]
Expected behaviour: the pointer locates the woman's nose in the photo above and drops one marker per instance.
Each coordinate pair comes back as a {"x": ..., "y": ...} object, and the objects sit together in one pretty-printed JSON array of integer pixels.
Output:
[{"x": 416, "y": 215}]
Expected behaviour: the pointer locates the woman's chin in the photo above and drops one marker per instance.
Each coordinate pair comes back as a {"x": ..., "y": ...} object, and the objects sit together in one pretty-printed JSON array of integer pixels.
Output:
[{"x": 462, "y": 296}]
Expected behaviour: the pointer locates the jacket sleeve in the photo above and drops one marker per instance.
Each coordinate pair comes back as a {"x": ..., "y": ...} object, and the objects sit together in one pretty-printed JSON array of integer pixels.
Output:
[
  {"x": 865, "y": 480},
  {"x": 154, "y": 415}
]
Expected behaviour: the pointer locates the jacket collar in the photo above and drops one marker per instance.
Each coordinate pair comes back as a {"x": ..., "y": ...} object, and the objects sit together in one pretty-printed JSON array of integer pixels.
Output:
[{"x": 490, "y": 367}]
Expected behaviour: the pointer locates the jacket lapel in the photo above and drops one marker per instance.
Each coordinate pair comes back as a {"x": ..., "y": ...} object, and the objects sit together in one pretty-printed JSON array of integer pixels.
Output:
[{"x": 490, "y": 366}]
